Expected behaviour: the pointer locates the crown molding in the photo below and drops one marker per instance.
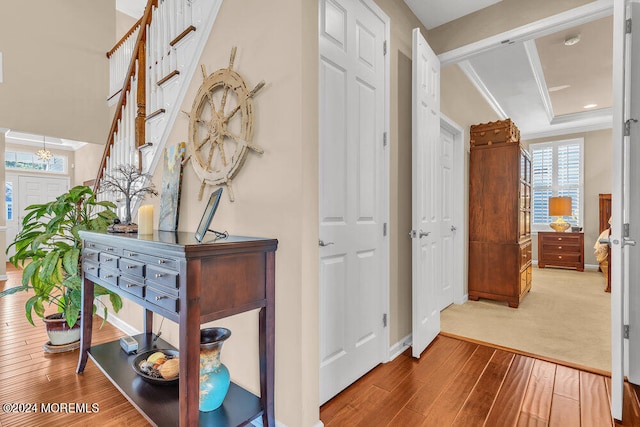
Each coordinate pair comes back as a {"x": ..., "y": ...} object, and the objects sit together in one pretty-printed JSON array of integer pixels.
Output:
[
  {"x": 475, "y": 79},
  {"x": 538, "y": 74}
]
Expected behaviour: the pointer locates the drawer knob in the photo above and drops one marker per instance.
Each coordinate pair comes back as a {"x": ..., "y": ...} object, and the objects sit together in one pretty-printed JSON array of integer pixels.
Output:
[
  {"x": 131, "y": 266},
  {"x": 158, "y": 275},
  {"x": 108, "y": 259},
  {"x": 161, "y": 261},
  {"x": 131, "y": 285},
  {"x": 91, "y": 268},
  {"x": 559, "y": 247},
  {"x": 108, "y": 276},
  {"x": 559, "y": 238},
  {"x": 132, "y": 254},
  {"x": 110, "y": 249},
  {"x": 560, "y": 257},
  {"x": 159, "y": 297}
]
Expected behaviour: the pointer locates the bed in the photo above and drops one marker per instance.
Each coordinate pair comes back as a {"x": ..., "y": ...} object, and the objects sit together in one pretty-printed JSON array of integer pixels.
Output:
[{"x": 603, "y": 251}]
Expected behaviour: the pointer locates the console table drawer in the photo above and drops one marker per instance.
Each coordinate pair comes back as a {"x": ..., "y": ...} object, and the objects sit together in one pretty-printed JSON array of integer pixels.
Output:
[
  {"x": 133, "y": 285},
  {"x": 90, "y": 254},
  {"x": 108, "y": 275},
  {"x": 161, "y": 276},
  {"x": 133, "y": 268},
  {"x": 108, "y": 260},
  {"x": 551, "y": 258},
  {"x": 169, "y": 263},
  {"x": 102, "y": 247},
  {"x": 89, "y": 267},
  {"x": 161, "y": 299}
]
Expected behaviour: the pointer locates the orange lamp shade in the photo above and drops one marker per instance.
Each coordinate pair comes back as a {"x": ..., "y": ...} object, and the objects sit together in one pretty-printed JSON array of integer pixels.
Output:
[{"x": 559, "y": 206}]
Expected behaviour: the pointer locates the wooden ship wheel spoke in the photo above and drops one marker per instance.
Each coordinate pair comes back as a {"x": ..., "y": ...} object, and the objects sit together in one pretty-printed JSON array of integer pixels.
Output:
[{"x": 219, "y": 140}]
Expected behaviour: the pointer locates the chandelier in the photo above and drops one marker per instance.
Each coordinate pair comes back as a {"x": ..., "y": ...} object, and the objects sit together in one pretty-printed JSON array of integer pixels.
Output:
[{"x": 43, "y": 153}]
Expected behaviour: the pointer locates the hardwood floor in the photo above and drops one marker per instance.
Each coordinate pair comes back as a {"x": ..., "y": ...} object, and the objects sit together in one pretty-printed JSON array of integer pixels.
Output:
[
  {"x": 28, "y": 375},
  {"x": 455, "y": 382},
  {"x": 460, "y": 383}
]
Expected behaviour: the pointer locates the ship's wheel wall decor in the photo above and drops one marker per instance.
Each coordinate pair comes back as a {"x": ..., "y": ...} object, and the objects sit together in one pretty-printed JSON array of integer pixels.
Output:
[{"x": 221, "y": 127}]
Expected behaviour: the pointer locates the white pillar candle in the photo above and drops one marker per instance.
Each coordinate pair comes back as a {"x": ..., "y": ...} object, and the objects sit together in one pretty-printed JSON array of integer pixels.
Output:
[{"x": 145, "y": 219}]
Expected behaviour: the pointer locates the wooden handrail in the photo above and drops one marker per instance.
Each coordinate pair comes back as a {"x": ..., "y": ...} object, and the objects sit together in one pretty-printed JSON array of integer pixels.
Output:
[
  {"x": 124, "y": 38},
  {"x": 137, "y": 50}
]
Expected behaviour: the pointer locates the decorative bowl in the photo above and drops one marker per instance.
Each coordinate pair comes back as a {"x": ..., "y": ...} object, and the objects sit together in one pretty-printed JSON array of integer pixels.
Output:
[{"x": 148, "y": 378}]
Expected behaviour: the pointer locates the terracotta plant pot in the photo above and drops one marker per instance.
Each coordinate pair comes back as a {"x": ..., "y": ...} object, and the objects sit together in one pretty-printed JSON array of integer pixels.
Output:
[{"x": 59, "y": 331}]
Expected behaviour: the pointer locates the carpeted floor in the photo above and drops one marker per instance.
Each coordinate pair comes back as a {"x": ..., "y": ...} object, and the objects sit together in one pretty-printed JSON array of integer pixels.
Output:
[{"x": 566, "y": 316}]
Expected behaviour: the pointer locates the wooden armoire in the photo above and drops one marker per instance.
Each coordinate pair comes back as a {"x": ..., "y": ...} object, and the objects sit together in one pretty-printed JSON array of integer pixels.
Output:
[{"x": 499, "y": 214}]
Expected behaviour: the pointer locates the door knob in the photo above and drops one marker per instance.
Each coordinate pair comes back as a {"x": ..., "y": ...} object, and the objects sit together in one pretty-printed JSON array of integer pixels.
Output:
[
  {"x": 628, "y": 242},
  {"x": 323, "y": 244},
  {"x": 453, "y": 228},
  {"x": 422, "y": 234}
]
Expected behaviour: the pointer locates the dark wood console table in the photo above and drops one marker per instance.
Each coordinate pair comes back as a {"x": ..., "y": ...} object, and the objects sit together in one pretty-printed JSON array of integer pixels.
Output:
[{"x": 189, "y": 283}]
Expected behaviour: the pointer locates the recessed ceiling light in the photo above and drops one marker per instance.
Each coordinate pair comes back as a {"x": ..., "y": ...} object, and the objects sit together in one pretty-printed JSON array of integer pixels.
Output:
[
  {"x": 590, "y": 106},
  {"x": 571, "y": 40},
  {"x": 557, "y": 88}
]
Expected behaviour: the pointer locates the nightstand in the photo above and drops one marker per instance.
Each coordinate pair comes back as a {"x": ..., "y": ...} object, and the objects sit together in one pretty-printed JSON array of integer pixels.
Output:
[{"x": 561, "y": 249}]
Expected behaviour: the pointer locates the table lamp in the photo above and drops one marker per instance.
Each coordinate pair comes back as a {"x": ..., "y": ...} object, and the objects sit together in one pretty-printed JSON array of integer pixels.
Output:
[{"x": 559, "y": 206}]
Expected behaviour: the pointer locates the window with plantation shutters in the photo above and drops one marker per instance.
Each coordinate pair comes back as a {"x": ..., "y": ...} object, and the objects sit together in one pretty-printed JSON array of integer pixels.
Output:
[{"x": 557, "y": 171}]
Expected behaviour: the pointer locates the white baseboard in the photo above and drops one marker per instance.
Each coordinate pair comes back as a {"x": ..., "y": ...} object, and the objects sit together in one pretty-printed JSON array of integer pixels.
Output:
[
  {"x": 464, "y": 299},
  {"x": 120, "y": 324},
  {"x": 4, "y": 277},
  {"x": 591, "y": 266},
  {"x": 398, "y": 348}
]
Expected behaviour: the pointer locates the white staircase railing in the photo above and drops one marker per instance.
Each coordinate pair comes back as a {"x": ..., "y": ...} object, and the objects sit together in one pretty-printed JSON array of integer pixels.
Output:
[
  {"x": 163, "y": 50},
  {"x": 119, "y": 59}
]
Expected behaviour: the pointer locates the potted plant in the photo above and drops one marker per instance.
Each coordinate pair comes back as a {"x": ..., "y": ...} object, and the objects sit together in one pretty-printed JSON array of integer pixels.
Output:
[{"x": 50, "y": 246}]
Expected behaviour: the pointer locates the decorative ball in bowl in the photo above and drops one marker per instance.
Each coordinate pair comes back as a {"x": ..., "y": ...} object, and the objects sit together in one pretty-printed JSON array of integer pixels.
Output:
[{"x": 159, "y": 367}]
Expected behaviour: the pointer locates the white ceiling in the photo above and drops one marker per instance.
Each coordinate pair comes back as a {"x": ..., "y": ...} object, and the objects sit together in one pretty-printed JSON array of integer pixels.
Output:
[
  {"x": 513, "y": 80},
  {"x": 33, "y": 140},
  {"x": 433, "y": 13}
]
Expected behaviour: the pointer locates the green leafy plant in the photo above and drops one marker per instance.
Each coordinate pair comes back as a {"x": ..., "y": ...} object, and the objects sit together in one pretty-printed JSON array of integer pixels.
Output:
[{"x": 50, "y": 245}]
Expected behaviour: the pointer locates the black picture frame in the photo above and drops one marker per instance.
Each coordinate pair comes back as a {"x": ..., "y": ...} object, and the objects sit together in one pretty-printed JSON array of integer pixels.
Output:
[{"x": 207, "y": 216}]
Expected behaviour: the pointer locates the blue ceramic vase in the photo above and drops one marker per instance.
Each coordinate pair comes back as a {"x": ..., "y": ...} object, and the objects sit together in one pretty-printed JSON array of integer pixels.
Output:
[{"x": 214, "y": 376}]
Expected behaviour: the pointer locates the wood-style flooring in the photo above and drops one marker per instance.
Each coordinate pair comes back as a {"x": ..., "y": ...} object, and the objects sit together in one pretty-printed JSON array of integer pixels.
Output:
[
  {"x": 455, "y": 382},
  {"x": 28, "y": 375},
  {"x": 461, "y": 383}
]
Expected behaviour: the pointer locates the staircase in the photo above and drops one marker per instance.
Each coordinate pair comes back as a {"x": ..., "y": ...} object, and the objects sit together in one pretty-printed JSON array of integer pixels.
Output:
[{"x": 150, "y": 71}]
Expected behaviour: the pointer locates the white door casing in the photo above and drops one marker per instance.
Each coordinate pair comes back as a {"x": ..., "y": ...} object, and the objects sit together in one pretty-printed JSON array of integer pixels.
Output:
[
  {"x": 353, "y": 191},
  {"x": 29, "y": 190},
  {"x": 427, "y": 238}
]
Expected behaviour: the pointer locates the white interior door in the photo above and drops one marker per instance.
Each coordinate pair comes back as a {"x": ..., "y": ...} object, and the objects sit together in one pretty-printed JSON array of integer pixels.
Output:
[
  {"x": 633, "y": 197},
  {"x": 625, "y": 206},
  {"x": 353, "y": 202},
  {"x": 447, "y": 227},
  {"x": 427, "y": 215},
  {"x": 29, "y": 190}
]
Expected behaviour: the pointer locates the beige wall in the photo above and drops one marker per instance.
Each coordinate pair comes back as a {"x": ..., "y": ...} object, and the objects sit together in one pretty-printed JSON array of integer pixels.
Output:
[
  {"x": 87, "y": 165},
  {"x": 598, "y": 178},
  {"x": 276, "y": 193},
  {"x": 55, "y": 83},
  {"x": 498, "y": 18}
]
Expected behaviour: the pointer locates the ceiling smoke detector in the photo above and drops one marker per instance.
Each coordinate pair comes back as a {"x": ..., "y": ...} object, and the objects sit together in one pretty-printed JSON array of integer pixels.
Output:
[{"x": 571, "y": 40}]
